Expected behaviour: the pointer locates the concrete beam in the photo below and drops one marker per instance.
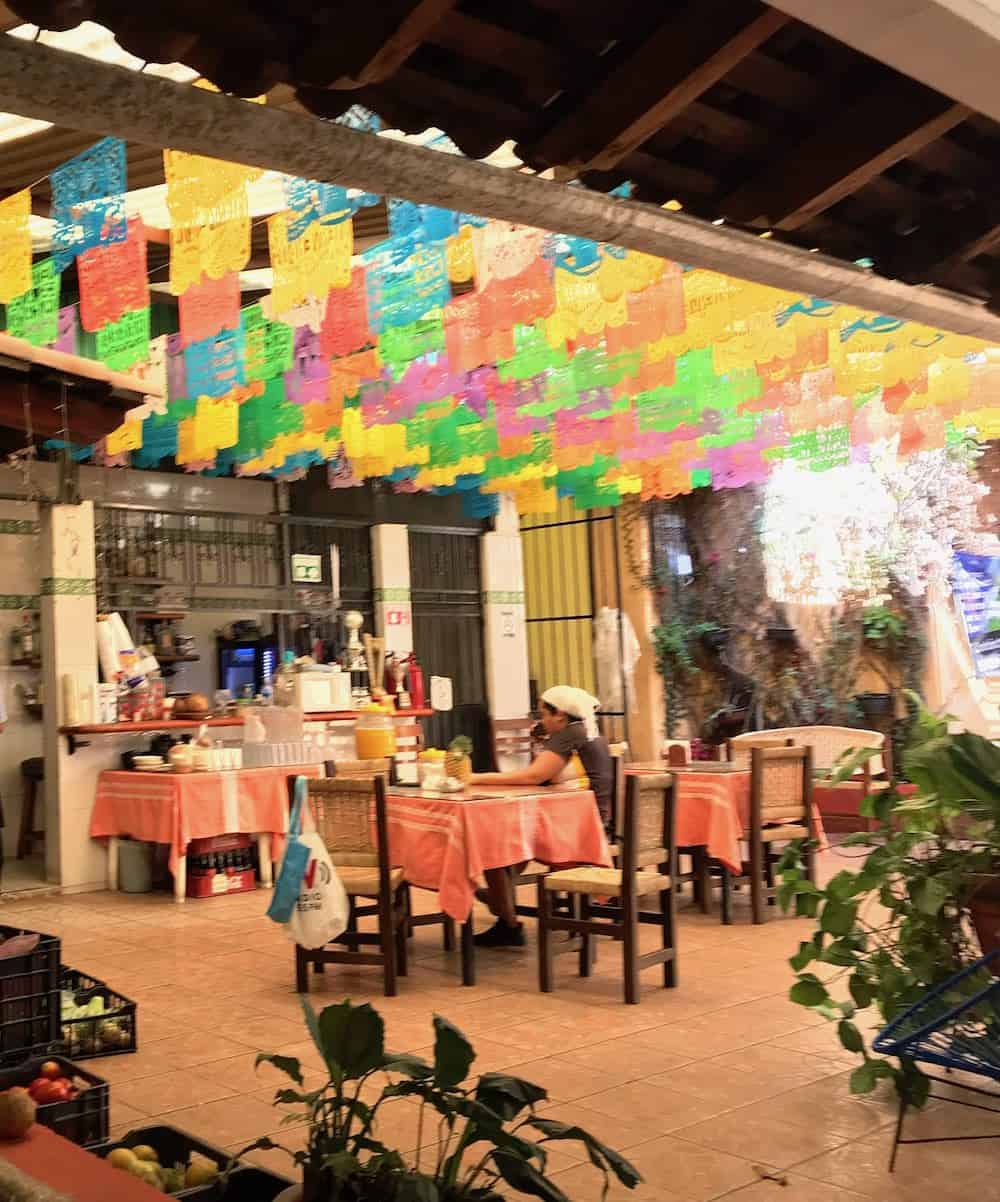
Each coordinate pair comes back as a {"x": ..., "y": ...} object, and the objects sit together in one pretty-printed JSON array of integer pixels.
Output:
[
  {"x": 68, "y": 90},
  {"x": 950, "y": 45}
]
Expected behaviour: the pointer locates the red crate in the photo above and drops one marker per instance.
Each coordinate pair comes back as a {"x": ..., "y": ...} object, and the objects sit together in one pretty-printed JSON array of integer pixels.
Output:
[
  {"x": 208, "y": 884},
  {"x": 205, "y": 847}
]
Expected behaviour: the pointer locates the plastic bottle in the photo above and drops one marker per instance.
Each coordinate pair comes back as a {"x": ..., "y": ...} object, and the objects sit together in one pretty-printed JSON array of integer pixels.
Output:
[{"x": 267, "y": 691}]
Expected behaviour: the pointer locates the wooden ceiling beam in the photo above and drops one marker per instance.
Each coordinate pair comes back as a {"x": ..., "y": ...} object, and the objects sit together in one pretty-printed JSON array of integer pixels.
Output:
[
  {"x": 494, "y": 46},
  {"x": 404, "y": 26},
  {"x": 649, "y": 86},
  {"x": 838, "y": 159}
]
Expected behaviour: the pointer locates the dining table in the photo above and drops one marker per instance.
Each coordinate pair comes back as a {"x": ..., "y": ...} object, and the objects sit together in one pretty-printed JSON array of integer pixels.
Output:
[
  {"x": 174, "y": 808},
  {"x": 712, "y": 807},
  {"x": 444, "y": 841}
]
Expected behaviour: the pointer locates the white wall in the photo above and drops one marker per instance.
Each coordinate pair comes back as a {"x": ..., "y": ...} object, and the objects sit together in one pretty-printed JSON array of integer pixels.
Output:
[{"x": 19, "y": 564}]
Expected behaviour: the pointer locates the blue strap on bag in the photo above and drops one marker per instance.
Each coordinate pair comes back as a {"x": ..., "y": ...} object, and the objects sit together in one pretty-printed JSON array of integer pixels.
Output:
[{"x": 293, "y": 866}]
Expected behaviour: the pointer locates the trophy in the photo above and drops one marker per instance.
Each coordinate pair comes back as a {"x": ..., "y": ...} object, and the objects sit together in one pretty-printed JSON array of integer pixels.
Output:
[
  {"x": 354, "y": 657},
  {"x": 397, "y": 670},
  {"x": 375, "y": 658}
]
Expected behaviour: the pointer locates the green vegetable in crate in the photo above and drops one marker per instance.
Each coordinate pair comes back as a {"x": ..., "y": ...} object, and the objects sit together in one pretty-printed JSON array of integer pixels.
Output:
[{"x": 142, "y": 1161}]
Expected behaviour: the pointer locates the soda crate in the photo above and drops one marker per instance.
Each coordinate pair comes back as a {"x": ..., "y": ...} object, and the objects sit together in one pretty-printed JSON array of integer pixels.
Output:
[
  {"x": 220, "y": 865},
  {"x": 214, "y": 843},
  {"x": 29, "y": 1000},
  {"x": 110, "y": 1032},
  {"x": 214, "y": 883},
  {"x": 82, "y": 1120}
]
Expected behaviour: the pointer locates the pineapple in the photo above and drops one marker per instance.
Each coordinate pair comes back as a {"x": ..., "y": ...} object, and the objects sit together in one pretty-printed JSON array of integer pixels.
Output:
[{"x": 457, "y": 763}]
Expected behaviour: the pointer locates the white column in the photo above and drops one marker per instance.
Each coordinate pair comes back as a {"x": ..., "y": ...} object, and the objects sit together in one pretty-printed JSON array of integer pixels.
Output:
[
  {"x": 391, "y": 571},
  {"x": 69, "y": 646},
  {"x": 505, "y": 635}
]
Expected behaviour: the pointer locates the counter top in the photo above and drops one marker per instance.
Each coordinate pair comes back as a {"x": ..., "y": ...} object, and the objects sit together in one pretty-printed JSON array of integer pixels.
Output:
[{"x": 138, "y": 728}]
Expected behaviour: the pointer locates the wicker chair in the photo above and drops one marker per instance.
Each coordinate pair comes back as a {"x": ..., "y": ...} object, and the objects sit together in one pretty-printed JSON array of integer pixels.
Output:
[
  {"x": 781, "y": 780},
  {"x": 353, "y": 769},
  {"x": 648, "y": 864},
  {"x": 512, "y": 742},
  {"x": 347, "y": 811}
]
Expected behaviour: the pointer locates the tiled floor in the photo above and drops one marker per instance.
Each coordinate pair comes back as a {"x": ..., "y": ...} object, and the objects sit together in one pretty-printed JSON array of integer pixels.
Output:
[{"x": 720, "y": 1088}]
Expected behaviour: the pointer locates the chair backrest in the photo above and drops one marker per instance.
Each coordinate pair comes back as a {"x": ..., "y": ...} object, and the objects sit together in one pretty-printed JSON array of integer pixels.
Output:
[
  {"x": 780, "y": 785},
  {"x": 349, "y": 815},
  {"x": 512, "y": 743},
  {"x": 739, "y": 747},
  {"x": 409, "y": 745},
  {"x": 828, "y": 743},
  {"x": 619, "y": 758},
  {"x": 648, "y": 822}
]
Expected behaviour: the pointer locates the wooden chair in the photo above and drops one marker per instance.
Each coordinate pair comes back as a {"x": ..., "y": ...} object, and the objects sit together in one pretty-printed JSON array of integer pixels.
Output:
[
  {"x": 409, "y": 745},
  {"x": 362, "y": 769},
  {"x": 512, "y": 742},
  {"x": 781, "y": 781},
  {"x": 343, "y": 809},
  {"x": 32, "y": 774},
  {"x": 648, "y": 863}
]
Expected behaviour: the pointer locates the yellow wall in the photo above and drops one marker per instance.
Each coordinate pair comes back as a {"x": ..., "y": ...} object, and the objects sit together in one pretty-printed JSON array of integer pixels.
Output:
[{"x": 558, "y": 585}]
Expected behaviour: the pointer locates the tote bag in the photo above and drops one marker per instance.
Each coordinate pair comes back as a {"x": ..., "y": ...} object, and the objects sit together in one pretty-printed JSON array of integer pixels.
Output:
[{"x": 294, "y": 863}]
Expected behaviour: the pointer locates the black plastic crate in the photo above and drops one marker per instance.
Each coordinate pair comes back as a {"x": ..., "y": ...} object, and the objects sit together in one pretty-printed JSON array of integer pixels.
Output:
[
  {"x": 172, "y": 1146},
  {"x": 245, "y": 1184},
  {"x": 111, "y": 1033},
  {"x": 29, "y": 1007},
  {"x": 84, "y": 1119}
]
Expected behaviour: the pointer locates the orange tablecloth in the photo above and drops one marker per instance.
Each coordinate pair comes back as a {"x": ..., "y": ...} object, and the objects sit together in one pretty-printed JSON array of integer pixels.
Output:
[
  {"x": 70, "y": 1170},
  {"x": 712, "y": 810},
  {"x": 444, "y": 841},
  {"x": 175, "y": 808}
]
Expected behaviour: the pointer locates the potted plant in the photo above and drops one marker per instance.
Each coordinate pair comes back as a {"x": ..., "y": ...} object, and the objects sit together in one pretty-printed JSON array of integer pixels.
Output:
[
  {"x": 903, "y": 923},
  {"x": 489, "y": 1136}
]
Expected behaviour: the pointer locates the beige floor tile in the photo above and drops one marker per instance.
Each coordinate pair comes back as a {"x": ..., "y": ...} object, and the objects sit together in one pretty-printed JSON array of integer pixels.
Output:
[
  {"x": 618, "y": 1131},
  {"x": 123, "y": 1118},
  {"x": 586, "y": 1184},
  {"x": 177, "y": 1090},
  {"x": 842, "y": 1113},
  {"x": 700, "y": 1173},
  {"x": 567, "y": 1081},
  {"x": 229, "y": 1120},
  {"x": 655, "y": 1105},
  {"x": 775, "y": 1141},
  {"x": 791, "y": 1188},
  {"x": 632, "y": 1055}
]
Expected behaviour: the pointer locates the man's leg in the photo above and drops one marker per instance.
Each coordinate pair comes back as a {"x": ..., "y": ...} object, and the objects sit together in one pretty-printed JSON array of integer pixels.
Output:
[{"x": 507, "y": 930}]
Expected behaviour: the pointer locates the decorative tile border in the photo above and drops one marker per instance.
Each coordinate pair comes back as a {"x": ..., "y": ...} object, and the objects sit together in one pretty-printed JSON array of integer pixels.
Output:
[
  {"x": 65, "y": 586},
  {"x": 503, "y": 598},
  {"x": 392, "y": 594},
  {"x": 15, "y": 526},
  {"x": 18, "y": 601}
]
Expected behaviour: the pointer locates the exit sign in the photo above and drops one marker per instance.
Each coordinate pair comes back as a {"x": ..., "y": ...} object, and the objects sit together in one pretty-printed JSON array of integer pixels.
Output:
[{"x": 307, "y": 569}]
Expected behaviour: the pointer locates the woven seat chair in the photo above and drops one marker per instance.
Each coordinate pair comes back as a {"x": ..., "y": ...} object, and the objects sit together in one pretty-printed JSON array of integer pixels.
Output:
[
  {"x": 348, "y": 769},
  {"x": 349, "y": 814},
  {"x": 781, "y": 781},
  {"x": 647, "y": 865}
]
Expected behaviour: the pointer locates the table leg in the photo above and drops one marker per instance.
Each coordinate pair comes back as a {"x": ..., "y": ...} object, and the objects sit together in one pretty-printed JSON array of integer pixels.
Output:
[
  {"x": 180, "y": 880},
  {"x": 468, "y": 953},
  {"x": 113, "y": 863},
  {"x": 266, "y": 863}
]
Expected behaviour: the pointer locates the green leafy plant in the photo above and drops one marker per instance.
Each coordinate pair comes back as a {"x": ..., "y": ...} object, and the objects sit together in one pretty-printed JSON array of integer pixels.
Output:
[
  {"x": 899, "y": 925},
  {"x": 882, "y": 626},
  {"x": 488, "y": 1135}
]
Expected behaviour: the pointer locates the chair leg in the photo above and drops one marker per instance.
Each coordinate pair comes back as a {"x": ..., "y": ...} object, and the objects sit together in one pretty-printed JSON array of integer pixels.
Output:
[
  {"x": 25, "y": 835},
  {"x": 898, "y": 1134},
  {"x": 301, "y": 970},
  {"x": 757, "y": 906},
  {"x": 468, "y": 953},
  {"x": 448, "y": 934},
  {"x": 727, "y": 897},
  {"x": 545, "y": 957},
  {"x": 769, "y": 874},
  {"x": 701, "y": 868},
  {"x": 668, "y": 914},
  {"x": 401, "y": 925},
  {"x": 387, "y": 945},
  {"x": 586, "y": 940},
  {"x": 630, "y": 946},
  {"x": 811, "y": 860}
]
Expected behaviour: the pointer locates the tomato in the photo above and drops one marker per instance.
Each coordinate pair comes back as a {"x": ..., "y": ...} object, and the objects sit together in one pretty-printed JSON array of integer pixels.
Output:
[
  {"x": 45, "y": 1092},
  {"x": 61, "y": 1090},
  {"x": 39, "y": 1085},
  {"x": 51, "y": 1070}
]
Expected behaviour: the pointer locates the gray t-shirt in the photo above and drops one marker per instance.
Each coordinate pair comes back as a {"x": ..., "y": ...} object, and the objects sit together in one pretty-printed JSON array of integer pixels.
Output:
[{"x": 595, "y": 756}]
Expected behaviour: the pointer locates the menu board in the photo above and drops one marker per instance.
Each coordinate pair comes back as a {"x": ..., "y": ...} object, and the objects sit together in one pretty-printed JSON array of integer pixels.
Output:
[{"x": 977, "y": 592}]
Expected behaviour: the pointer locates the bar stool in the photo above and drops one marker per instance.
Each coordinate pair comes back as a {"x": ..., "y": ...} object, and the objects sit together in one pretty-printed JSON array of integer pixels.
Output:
[{"x": 32, "y": 774}]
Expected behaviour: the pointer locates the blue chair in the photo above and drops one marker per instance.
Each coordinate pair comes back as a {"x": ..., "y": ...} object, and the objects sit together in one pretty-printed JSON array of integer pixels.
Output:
[{"x": 957, "y": 1027}]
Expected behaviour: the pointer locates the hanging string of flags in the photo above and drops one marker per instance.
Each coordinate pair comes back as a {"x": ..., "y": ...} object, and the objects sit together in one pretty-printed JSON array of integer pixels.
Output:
[{"x": 466, "y": 355}]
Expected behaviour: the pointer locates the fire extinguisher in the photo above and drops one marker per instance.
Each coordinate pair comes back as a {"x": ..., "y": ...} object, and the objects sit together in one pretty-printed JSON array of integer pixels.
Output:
[{"x": 415, "y": 682}]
